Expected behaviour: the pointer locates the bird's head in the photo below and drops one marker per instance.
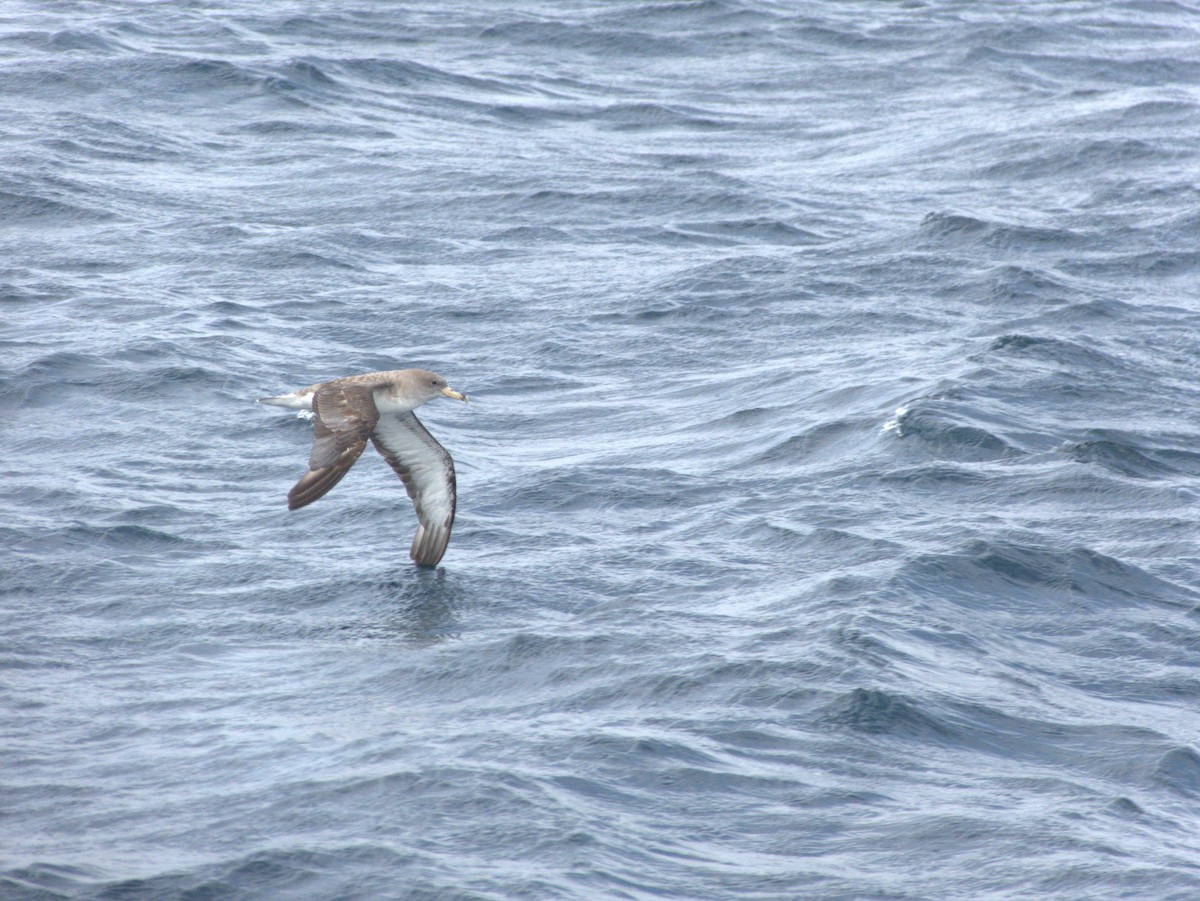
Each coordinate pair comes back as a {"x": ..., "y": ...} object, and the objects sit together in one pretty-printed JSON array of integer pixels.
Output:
[{"x": 429, "y": 385}]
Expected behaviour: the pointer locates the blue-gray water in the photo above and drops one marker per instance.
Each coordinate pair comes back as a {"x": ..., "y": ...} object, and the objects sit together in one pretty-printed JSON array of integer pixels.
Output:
[{"x": 828, "y": 508}]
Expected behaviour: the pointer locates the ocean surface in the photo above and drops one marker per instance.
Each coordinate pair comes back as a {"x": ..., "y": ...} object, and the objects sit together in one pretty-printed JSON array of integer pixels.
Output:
[{"x": 829, "y": 501}]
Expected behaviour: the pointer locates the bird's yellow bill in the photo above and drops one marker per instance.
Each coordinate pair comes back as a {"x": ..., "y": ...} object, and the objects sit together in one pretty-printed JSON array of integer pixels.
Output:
[{"x": 450, "y": 392}]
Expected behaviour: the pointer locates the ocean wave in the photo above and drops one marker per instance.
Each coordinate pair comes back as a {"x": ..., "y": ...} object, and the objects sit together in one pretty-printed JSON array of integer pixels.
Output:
[
  {"x": 947, "y": 429},
  {"x": 986, "y": 572},
  {"x": 964, "y": 229},
  {"x": 876, "y": 712},
  {"x": 38, "y": 209},
  {"x": 1133, "y": 456}
]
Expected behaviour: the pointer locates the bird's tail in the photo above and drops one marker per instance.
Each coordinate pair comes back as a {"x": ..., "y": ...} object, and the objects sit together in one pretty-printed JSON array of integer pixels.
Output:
[{"x": 293, "y": 401}]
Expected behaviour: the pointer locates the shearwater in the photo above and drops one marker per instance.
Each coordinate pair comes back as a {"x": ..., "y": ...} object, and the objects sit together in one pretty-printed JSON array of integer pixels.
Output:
[{"x": 379, "y": 406}]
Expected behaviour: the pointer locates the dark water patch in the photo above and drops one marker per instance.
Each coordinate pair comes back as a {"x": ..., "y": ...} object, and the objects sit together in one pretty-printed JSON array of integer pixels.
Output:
[
  {"x": 734, "y": 281},
  {"x": 963, "y": 230},
  {"x": 153, "y": 382},
  {"x": 531, "y": 115},
  {"x": 1118, "y": 457},
  {"x": 1097, "y": 750},
  {"x": 1173, "y": 112},
  {"x": 1026, "y": 284},
  {"x": 740, "y": 419},
  {"x": 336, "y": 25},
  {"x": 847, "y": 36},
  {"x": 754, "y": 231},
  {"x": 418, "y": 611},
  {"x": 308, "y": 73},
  {"x": 1090, "y": 73},
  {"x": 51, "y": 379},
  {"x": 785, "y": 685},
  {"x": 670, "y": 236},
  {"x": 585, "y": 37},
  {"x": 1124, "y": 192},
  {"x": 33, "y": 658},
  {"x": 71, "y": 39},
  {"x": 1179, "y": 771},
  {"x": 1007, "y": 575},
  {"x": 607, "y": 487},
  {"x": 1133, "y": 455},
  {"x": 1071, "y": 353},
  {"x": 678, "y": 313},
  {"x": 935, "y": 477},
  {"x": 65, "y": 366},
  {"x": 877, "y": 712},
  {"x": 1056, "y": 158},
  {"x": 35, "y": 209},
  {"x": 754, "y": 742},
  {"x": 198, "y": 76},
  {"x": 118, "y": 538},
  {"x": 231, "y": 309},
  {"x": 1184, "y": 226},
  {"x": 304, "y": 125},
  {"x": 1166, "y": 263},
  {"x": 713, "y": 784},
  {"x": 1096, "y": 312},
  {"x": 15, "y": 294},
  {"x": 558, "y": 200},
  {"x": 151, "y": 76},
  {"x": 830, "y": 546},
  {"x": 94, "y": 137},
  {"x": 1021, "y": 342},
  {"x": 1020, "y": 35},
  {"x": 536, "y": 382},
  {"x": 675, "y": 161},
  {"x": 946, "y": 430},
  {"x": 305, "y": 260},
  {"x": 1125, "y": 808},
  {"x": 705, "y": 16},
  {"x": 1160, "y": 117},
  {"x": 529, "y": 234},
  {"x": 98, "y": 150},
  {"x": 41, "y": 881},
  {"x": 638, "y": 206},
  {"x": 27, "y": 574},
  {"x": 269, "y": 872},
  {"x": 648, "y": 752},
  {"x": 394, "y": 73},
  {"x": 826, "y": 439},
  {"x": 637, "y": 117}
]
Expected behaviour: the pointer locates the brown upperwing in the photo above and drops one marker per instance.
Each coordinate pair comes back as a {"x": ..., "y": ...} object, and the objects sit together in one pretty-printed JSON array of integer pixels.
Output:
[{"x": 345, "y": 415}]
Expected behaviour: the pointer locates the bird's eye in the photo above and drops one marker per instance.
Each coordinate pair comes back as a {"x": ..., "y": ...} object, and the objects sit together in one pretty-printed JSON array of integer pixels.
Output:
[{"x": 433, "y": 381}]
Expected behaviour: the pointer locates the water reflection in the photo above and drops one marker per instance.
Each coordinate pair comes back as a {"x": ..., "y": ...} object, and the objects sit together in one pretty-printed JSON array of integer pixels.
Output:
[{"x": 417, "y": 605}]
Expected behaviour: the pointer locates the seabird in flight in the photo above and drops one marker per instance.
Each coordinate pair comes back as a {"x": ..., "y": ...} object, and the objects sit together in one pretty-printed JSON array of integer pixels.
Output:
[{"x": 379, "y": 406}]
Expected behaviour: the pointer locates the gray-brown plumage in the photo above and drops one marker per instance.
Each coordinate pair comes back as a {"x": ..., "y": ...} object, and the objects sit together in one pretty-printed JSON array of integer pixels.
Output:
[{"x": 377, "y": 406}]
